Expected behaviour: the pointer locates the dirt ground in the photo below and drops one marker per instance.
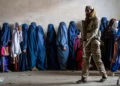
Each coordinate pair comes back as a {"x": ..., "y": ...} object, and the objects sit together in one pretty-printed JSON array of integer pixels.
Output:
[{"x": 53, "y": 78}]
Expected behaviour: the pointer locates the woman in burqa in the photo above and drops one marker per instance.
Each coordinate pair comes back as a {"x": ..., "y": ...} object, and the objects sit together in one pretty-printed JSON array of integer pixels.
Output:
[
  {"x": 41, "y": 53},
  {"x": 72, "y": 33},
  {"x": 115, "y": 64},
  {"x": 23, "y": 45},
  {"x": 62, "y": 46},
  {"x": 109, "y": 42},
  {"x": 103, "y": 27},
  {"x": 15, "y": 47},
  {"x": 52, "y": 58},
  {"x": 32, "y": 47},
  {"x": 5, "y": 37}
]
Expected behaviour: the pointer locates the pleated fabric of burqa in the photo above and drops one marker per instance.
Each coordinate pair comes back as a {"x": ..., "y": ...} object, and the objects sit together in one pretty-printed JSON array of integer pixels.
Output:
[
  {"x": 41, "y": 52},
  {"x": 116, "y": 57},
  {"x": 72, "y": 33},
  {"x": 103, "y": 27},
  {"x": 23, "y": 45},
  {"x": 52, "y": 58},
  {"x": 5, "y": 37},
  {"x": 109, "y": 43},
  {"x": 62, "y": 46},
  {"x": 32, "y": 46}
]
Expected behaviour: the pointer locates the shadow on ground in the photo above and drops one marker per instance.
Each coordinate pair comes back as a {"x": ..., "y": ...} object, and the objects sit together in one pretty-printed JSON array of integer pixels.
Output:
[{"x": 56, "y": 84}]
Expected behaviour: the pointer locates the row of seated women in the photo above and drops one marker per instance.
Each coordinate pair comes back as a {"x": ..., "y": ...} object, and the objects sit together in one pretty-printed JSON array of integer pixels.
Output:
[{"x": 25, "y": 47}]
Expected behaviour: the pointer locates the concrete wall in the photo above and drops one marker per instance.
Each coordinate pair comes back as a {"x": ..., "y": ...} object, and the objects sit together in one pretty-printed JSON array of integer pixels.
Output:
[{"x": 54, "y": 11}]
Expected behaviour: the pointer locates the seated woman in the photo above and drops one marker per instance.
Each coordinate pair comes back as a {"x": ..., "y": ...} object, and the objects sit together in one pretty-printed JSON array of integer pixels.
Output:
[
  {"x": 115, "y": 65},
  {"x": 62, "y": 46},
  {"x": 5, "y": 37}
]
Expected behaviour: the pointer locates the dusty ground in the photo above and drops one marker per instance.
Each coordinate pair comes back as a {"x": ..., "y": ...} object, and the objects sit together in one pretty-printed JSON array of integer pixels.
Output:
[{"x": 53, "y": 78}]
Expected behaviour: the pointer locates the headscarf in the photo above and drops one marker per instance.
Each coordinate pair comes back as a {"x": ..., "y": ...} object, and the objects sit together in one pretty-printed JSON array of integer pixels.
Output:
[
  {"x": 111, "y": 22},
  {"x": 92, "y": 14}
]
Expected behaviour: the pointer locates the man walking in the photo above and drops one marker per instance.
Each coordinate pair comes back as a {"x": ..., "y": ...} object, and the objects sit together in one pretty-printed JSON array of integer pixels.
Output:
[{"x": 92, "y": 38}]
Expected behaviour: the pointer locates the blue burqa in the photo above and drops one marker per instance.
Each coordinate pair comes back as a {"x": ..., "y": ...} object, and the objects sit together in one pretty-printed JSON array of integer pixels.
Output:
[
  {"x": 103, "y": 27},
  {"x": 72, "y": 33},
  {"x": 103, "y": 24},
  {"x": 109, "y": 44},
  {"x": 116, "y": 64},
  {"x": 41, "y": 53},
  {"x": 5, "y": 35},
  {"x": 32, "y": 46},
  {"x": 23, "y": 45},
  {"x": 52, "y": 58},
  {"x": 62, "y": 42}
]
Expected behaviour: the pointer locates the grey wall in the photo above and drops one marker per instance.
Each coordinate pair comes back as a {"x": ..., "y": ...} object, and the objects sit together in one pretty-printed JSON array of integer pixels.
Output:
[{"x": 54, "y": 11}]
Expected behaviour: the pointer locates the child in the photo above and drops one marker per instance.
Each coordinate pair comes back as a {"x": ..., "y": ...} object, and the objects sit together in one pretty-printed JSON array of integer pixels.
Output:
[{"x": 78, "y": 51}]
